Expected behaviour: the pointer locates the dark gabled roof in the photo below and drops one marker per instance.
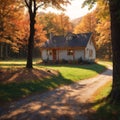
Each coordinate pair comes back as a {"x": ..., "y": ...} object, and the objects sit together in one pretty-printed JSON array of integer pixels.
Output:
[{"x": 70, "y": 40}]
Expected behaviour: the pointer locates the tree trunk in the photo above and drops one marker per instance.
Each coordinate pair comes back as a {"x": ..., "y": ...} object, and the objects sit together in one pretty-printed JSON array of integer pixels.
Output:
[
  {"x": 6, "y": 50},
  {"x": 110, "y": 50},
  {"x": 1, "y": 50},
  {"x": 31, "y": 41},
  {"x": 115, "y": 35}
]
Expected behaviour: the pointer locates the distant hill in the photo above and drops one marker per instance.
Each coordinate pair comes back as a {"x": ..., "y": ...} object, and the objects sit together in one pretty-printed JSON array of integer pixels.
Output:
[{"x": 76, "y": 21}]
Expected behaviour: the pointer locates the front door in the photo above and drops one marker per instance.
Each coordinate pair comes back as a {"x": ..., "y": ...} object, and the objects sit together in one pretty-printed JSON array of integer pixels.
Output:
[{"x": 54, "y": 55}]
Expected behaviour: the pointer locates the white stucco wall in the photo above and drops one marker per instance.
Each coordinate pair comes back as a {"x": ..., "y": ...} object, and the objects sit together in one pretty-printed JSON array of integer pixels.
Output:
[
  {"x": 79, "y": 54},
  {"x": 90, "y": 47},
  {"x": 44, "y": 54},
  {"x": 62, "y": 55}
]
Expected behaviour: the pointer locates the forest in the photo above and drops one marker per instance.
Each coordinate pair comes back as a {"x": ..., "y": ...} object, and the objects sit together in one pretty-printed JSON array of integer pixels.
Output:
[{"x": 15, "y": 29}]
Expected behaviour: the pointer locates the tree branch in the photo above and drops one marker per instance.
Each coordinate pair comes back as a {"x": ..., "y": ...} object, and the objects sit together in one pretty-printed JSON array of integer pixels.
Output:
[
  {"x": 39, "y": 6},
  {"x": 27, "y": 3}
]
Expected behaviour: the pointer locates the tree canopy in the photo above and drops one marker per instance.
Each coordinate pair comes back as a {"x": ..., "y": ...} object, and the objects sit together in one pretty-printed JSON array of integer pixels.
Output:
[{"x": 58, "y": 24}]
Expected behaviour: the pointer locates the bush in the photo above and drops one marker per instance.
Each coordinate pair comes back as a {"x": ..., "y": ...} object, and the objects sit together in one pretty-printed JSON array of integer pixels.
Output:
[
  {"x": 80, "y": 60},
  {"x": 64, "y": 61}
]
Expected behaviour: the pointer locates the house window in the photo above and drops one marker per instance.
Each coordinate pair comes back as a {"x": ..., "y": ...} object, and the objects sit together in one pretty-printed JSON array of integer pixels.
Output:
[
  {"x": 70, "y": 52},
  {"x": 90, "y": 42},
  {"x": 90, "y": 53},
  {"x": 49, "y": 52}
]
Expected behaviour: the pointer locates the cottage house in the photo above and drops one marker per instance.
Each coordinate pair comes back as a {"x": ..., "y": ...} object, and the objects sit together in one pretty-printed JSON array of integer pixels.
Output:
[{"x": 72, "y": 47}]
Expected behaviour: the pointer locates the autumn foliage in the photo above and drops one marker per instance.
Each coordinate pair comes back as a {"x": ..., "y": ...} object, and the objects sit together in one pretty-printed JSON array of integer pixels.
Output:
[{"x": 15, "y": 29}]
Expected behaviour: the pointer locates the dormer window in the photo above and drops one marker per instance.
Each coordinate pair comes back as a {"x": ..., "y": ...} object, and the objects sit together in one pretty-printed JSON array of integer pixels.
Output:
[
  {"x": 69, "y": 36},
  {"x": 90, "y": 53}
]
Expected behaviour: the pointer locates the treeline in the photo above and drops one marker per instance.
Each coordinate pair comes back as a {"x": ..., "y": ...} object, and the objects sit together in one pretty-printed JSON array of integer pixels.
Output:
[{"x": 14, "y": 29}]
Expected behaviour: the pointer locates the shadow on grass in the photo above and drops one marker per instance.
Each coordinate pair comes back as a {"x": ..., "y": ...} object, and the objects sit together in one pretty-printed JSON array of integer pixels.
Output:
[
  {"x": 14, "y": 90},
  {"x": 105, "y": 111},
  {"x": 15, "y": 64}
]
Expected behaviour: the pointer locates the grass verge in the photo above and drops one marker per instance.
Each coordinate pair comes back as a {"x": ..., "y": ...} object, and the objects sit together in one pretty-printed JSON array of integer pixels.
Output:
[{"x": 102, "y": 109}]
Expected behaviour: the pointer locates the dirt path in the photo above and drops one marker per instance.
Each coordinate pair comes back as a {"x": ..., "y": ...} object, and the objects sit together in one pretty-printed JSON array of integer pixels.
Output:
[{"x": 65, "y": 103}]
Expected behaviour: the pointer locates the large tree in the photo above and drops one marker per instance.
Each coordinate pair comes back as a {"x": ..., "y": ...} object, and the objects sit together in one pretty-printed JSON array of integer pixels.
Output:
[
  {"x": 114, "y": 6},
  {"x": 33, "y": 6},
  {"x": 115, "y": 34}
]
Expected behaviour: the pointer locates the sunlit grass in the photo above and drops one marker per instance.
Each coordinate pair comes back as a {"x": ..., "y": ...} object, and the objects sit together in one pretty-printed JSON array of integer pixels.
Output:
[
  {"x": 16, "y": 62},
  {"x": 78, "y": 72},
  {"x": 100, "y": 94},
  {"x": 103, "y": 62}
]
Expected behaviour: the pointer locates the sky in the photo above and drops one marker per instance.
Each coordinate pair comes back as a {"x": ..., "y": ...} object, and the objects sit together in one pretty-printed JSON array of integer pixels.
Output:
[{"x": 73, "y": 10}]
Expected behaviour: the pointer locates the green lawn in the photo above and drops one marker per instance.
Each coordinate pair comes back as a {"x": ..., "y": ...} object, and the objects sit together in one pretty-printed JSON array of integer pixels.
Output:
[
  {"x": 68, "y": 74},
  {"x": 78, "y": 72},
  {"x": 15, "y": 63}
]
